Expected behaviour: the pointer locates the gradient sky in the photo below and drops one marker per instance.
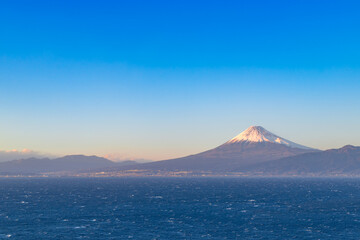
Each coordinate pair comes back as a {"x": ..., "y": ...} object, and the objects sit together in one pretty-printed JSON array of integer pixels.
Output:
[{"x": 163, "y": 79}]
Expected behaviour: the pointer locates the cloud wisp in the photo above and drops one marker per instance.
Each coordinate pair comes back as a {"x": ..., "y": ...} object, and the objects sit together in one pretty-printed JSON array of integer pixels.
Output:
[
  {"x": 14, "y": 154},
  {"x": 116, "y": 157}
]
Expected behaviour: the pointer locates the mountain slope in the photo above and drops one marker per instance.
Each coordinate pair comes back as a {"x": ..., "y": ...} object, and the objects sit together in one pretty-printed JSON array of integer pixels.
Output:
[
  {"x": 343, "y": 161},
  {"x": 252, "y": 146}
]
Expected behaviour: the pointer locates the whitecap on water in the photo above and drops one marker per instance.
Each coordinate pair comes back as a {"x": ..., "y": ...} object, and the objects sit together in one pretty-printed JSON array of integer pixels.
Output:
[
  {"x": 156, "y": 197},
  {"x": 2, "y": 236},
  {"x": 79, "y": 227}
]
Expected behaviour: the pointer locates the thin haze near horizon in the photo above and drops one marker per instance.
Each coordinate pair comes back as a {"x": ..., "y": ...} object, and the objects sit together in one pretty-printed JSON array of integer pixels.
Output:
[{"x": 167, "y": 79}]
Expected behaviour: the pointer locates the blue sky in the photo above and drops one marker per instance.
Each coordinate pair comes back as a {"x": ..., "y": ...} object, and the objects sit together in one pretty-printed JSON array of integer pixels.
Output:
[{"x": 169, "y": 78}]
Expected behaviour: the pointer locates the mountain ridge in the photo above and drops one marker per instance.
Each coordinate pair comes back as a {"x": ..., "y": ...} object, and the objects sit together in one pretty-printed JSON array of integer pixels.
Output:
[{"x": 341, "y": 161}]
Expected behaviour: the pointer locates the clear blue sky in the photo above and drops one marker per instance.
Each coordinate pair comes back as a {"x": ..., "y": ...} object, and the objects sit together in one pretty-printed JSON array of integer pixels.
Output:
[{"x": 162, "y": 79}]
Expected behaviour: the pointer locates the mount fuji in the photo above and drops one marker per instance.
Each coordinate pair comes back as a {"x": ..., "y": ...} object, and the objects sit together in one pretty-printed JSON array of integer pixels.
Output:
[{"x": 253, "y": 146}]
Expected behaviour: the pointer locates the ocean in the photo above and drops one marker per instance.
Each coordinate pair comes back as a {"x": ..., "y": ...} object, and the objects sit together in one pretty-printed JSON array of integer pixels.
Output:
[{"x": 179, "y": 208}]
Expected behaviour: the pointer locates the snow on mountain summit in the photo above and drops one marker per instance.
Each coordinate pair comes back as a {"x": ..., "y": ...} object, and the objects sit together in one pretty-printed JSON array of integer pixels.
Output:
[{"x": 260, "y": 134}]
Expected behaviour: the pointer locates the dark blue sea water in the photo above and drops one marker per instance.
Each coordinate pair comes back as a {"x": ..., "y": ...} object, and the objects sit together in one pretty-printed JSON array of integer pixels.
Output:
[{"x": 174, "y": 208}]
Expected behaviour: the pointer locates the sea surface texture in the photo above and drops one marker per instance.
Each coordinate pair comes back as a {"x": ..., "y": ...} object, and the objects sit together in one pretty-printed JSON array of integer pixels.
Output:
[{"x": 179, "y": 208}]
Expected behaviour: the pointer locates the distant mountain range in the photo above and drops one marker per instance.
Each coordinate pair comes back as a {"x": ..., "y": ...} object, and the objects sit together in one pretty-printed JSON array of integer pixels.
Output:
[
  {"x": 69, "y": 164},
  {"x": 254, "y": 152}
]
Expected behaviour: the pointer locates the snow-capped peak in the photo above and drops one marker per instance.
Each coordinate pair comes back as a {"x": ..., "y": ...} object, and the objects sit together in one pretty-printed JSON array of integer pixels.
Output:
[{"x": 260, "y": 134}]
